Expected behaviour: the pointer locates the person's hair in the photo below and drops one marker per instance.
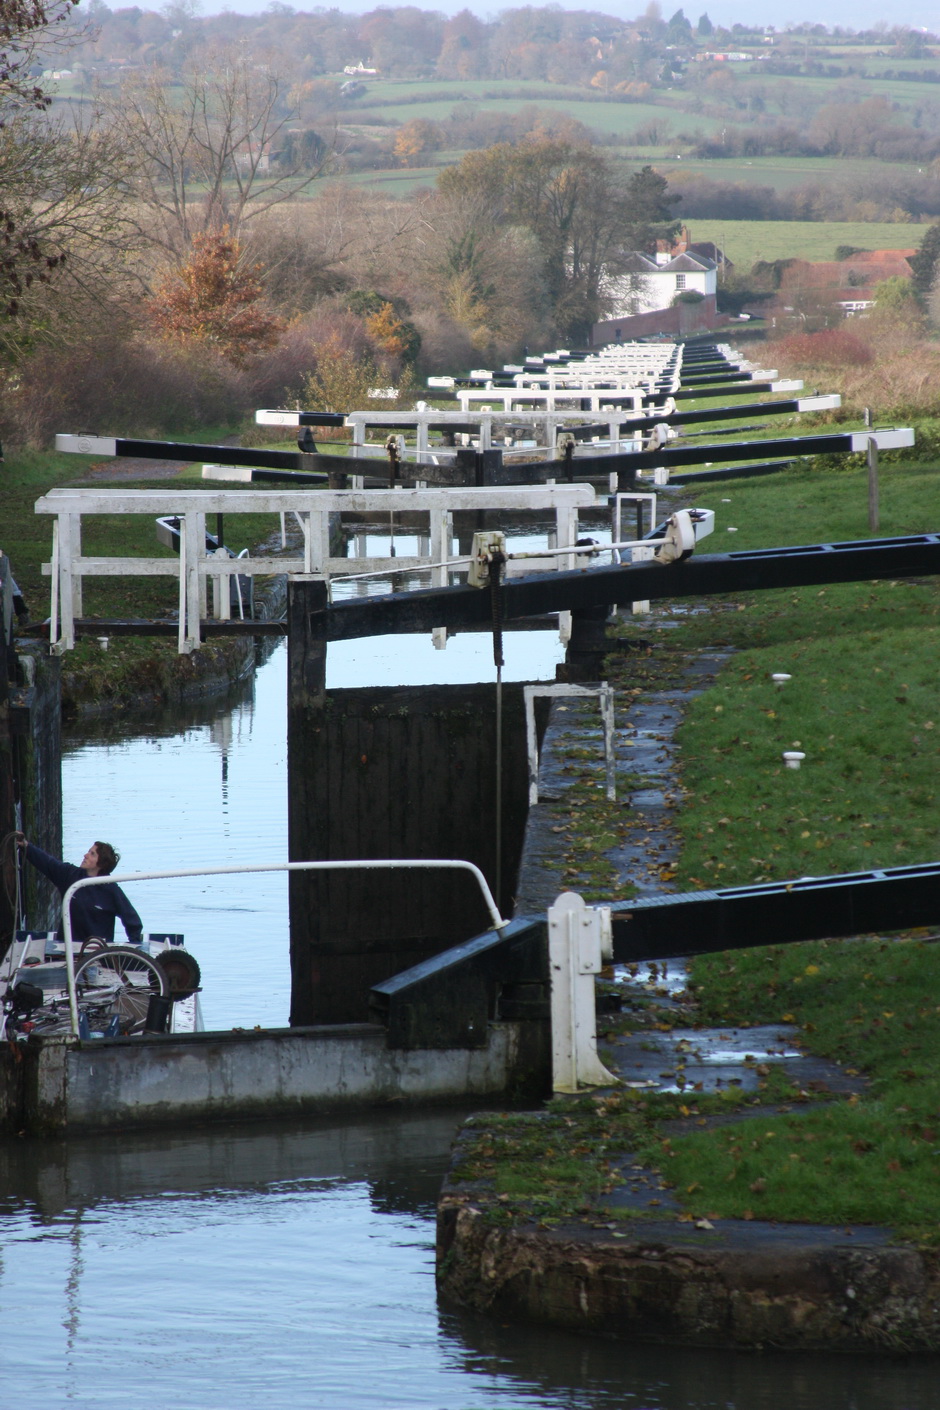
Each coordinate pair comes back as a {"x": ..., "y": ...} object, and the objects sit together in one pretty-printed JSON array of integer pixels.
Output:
[{"x": 107, "y": 858}]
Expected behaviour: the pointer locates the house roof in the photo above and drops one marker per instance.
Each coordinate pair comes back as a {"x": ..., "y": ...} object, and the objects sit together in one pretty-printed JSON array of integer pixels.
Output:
[
  {"x": 688, "y": 263},
  {"x": 710, "y": 251},
  {"x": 635, "y": 263}
]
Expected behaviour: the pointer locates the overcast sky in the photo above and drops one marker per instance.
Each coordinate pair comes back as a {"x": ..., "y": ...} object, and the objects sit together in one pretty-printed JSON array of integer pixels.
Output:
[{"x": 854, "y": 14}]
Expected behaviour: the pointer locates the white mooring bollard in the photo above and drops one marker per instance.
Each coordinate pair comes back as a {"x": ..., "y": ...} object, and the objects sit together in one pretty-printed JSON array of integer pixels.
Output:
[{"x": 579, "y": 940}]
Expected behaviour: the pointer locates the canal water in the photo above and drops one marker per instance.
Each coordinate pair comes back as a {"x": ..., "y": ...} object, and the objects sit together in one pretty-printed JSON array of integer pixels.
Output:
[{"x": 292, "y": 1265}]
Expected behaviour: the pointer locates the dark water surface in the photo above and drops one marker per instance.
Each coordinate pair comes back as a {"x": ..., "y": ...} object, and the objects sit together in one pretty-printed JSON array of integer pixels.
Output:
[{"x": 290, "y": 1265}]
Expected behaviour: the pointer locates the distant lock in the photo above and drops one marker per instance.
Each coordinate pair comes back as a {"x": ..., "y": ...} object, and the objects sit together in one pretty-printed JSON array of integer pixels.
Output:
[{"x": 485, "y": 544}]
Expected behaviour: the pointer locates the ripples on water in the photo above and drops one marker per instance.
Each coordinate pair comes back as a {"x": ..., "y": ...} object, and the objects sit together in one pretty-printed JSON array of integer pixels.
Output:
[{"x": 292, "y": 1266}]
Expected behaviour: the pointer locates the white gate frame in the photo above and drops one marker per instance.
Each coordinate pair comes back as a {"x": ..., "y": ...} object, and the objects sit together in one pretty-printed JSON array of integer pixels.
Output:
[
  {"x": 604, "y": 694},
  {"x": 312, "y": 509}
]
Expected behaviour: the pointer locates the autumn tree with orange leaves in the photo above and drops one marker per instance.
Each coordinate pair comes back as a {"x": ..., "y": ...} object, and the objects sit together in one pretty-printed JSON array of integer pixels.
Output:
[{"x": 214, "y": 297}]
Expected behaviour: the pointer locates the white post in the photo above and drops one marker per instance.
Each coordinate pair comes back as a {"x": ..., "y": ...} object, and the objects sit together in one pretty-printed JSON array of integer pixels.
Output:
[
  {"x": 193, "y": 525},
  {"x": 566, "y": 532},
  {"x": 75, "y": 535},
  {"x": 442, "y": 534},
  {"x": 641, "y": 555},
  {"x": 579, "y": 939},
  {"x": 319, "y": 539},
  {"x": 221, "y": 590},
  {"x": 303, "y": 519},
  {"x": 54, "y": 606},
  {"x": 181, "y": 642},
  {"x": 66, "y": 582}
]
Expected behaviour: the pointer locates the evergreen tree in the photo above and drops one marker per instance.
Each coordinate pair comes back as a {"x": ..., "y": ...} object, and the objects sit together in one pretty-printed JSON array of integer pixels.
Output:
[
  {"x": 924, "y": 263},
  {"x": 649, "y": 207}
]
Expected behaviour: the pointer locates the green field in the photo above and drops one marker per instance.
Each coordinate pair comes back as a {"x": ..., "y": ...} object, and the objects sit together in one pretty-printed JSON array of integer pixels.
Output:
[
  {"x": 688, "y": 108},
  {"x": 605, "y": 117},
  {"x": 797, "y": 95},
  {"x": 395, "y": 182},
  {"x": 784, "y": 173},
  {"x": 745, "y": 241}
]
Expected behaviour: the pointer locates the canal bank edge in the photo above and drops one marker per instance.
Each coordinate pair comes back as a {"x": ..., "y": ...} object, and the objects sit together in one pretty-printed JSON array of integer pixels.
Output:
[
  {"x": 123, "y": 676},
  {"x": 747, "y": 1286},
  {"x": 709, "y": 1282}
]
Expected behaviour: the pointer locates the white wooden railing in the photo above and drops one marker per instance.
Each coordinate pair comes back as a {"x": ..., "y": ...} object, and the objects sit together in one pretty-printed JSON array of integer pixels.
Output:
[{"x": 196, "y": 566}]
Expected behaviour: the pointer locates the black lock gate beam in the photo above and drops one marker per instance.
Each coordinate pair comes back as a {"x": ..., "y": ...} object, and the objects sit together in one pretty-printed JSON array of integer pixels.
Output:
[
  {"x": 455, "y": 994},
  {"x": 536, "y": 595},
  {"x": 777, "y": 913}
]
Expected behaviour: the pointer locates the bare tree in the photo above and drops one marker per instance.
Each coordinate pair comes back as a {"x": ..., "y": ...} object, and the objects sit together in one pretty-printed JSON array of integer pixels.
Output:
[
  {"x": 211, "y": 150},
  {"x": 346, "y": 238},
  {"x": 65, "y": 230},
  {"x": 39, "y": 194},
  {"x": 26, "y": 26}
]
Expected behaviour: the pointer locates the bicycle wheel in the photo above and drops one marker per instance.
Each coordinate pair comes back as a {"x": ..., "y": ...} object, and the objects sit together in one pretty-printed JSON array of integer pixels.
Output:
[{"x": 119, "y": 980}]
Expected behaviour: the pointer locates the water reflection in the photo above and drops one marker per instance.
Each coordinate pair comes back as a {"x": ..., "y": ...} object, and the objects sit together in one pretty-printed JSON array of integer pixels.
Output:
[
  {"x": 208, "y": 786},
  {"x": 292, "y": 1265}
]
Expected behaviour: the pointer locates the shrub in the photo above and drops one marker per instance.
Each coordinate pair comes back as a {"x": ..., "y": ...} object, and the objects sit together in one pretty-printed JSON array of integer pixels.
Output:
[
  {"x": 830, "y": 347},
  {"x": 119, "y": 386}
]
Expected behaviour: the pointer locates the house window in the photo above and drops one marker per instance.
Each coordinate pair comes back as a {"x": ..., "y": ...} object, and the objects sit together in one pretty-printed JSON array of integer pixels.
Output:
[{"x": 680, "y": 281}]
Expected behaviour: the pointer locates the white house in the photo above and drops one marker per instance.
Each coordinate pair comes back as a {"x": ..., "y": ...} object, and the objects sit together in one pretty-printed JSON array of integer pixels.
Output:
[{"x": 646, "y": 285}]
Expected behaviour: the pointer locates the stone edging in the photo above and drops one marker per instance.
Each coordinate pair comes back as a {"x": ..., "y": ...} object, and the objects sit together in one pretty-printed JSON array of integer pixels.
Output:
[{"x": 751, "y": 1286}]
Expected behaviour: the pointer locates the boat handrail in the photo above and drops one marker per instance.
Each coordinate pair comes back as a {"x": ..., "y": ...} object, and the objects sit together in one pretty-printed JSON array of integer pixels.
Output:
[{"x": 374, "y": 864}]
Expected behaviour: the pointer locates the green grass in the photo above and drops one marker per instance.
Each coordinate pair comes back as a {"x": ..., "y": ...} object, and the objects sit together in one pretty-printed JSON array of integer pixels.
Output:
[
  {"x": 395, "y": 181},
  {"x": 785, "y": 173},
  {"x": 868, "y": 1004},
  {"x": 745, "y": 241},
  {"x": 808, "y": 1156},
  {"x": 817, "y": 90},
  {"x": 474, "y": 90},
  {"x": 604, "y": 117},
  {"x": 861, "y": 705}
]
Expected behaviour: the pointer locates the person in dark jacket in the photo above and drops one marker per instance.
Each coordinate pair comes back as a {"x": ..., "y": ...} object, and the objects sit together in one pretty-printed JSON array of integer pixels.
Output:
[{"x": 94, "y": 908}]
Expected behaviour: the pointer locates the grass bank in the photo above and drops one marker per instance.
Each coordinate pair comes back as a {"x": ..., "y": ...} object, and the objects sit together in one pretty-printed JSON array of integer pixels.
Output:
[{"x": 861, "y": 705}]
